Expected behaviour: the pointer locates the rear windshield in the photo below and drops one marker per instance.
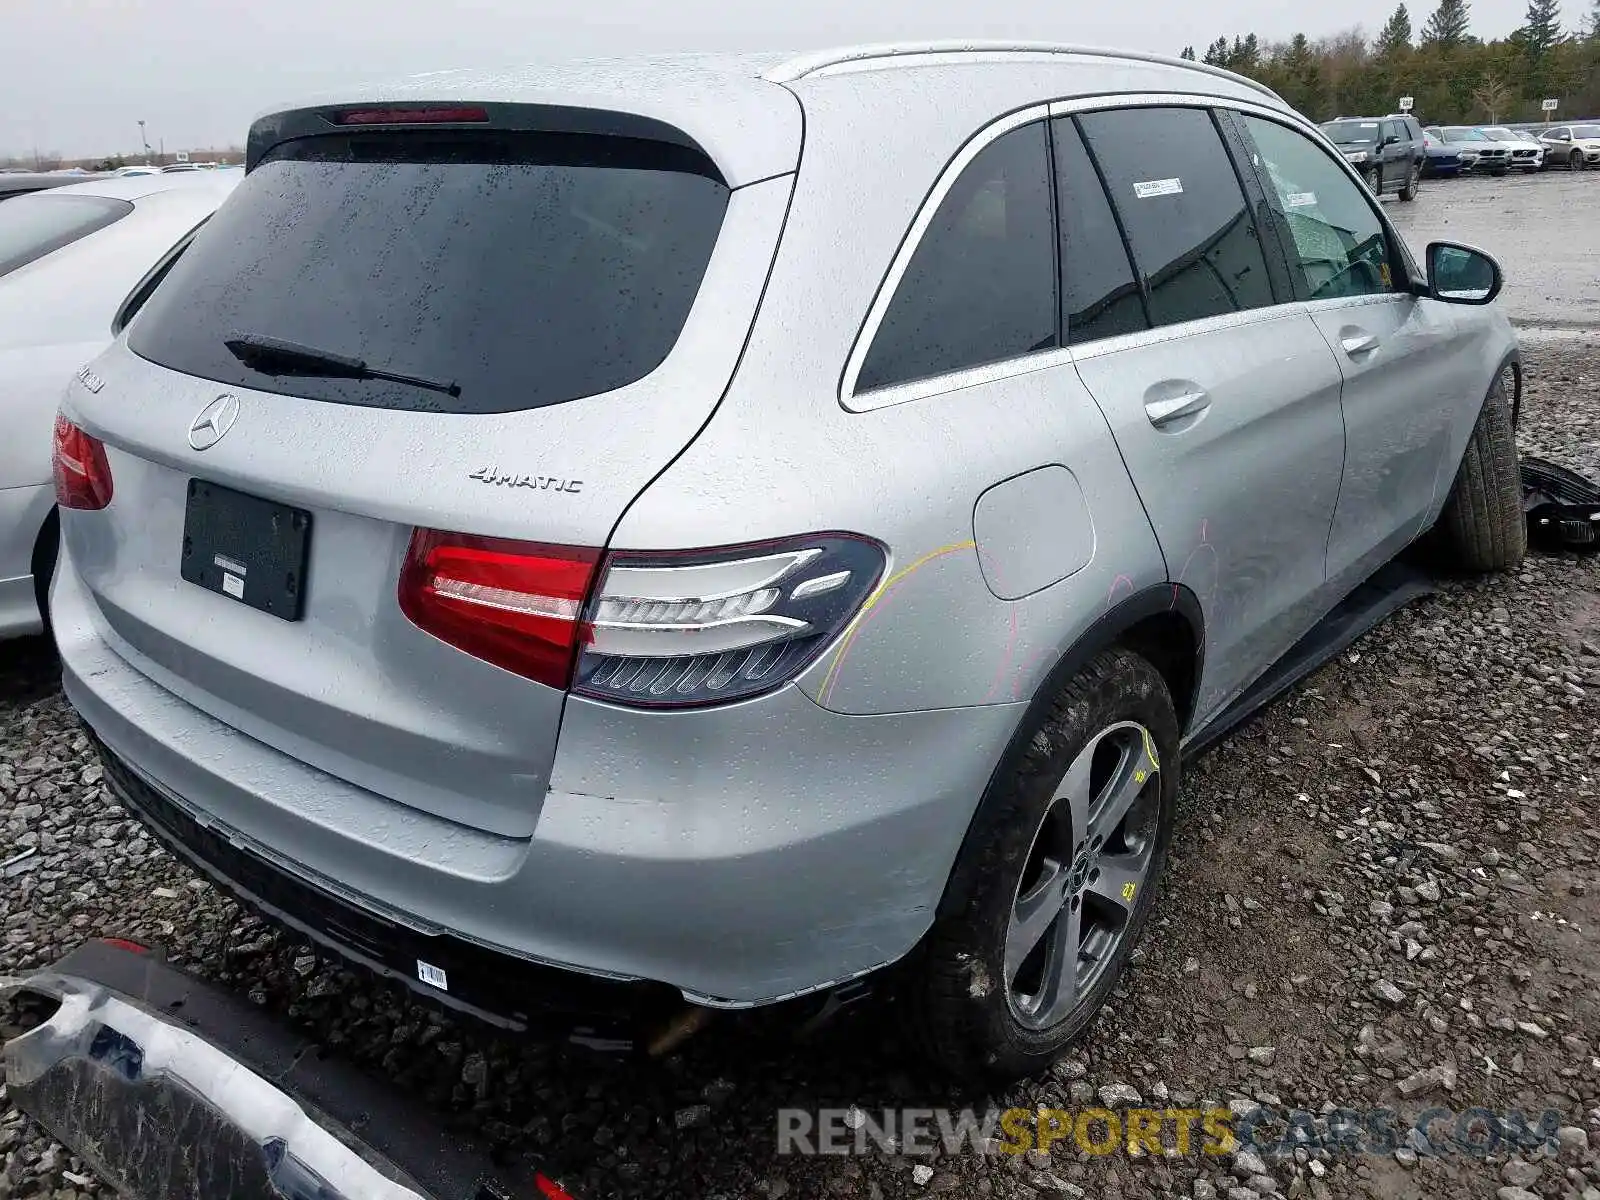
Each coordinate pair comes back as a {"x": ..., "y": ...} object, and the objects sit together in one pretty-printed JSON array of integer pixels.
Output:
[
  {"x": 1351, "y": 132},
  {"x": 510, "y": 270},
  {"x": 33, "y": 226}
]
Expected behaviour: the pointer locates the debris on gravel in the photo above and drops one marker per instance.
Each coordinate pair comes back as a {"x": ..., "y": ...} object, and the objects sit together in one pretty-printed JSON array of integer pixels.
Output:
[{"x": 1383, "y": 897}]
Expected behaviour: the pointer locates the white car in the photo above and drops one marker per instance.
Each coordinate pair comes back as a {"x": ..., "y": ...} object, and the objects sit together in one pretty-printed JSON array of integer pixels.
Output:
[
  {"x": 125, "y": 172},
  {"x": 1526, "y": 152},
  {"x": 1574, "y": 146},
  {"x": 75, "y": 262}
]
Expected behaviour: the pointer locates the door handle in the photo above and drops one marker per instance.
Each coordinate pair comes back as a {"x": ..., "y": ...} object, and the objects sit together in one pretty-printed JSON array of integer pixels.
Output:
[
  {"x": 1359, "y": 343},
  {"x": 1164, "y": 412}
]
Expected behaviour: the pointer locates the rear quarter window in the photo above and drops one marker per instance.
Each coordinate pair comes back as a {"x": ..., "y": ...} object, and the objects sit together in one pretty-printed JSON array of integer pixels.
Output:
[
  {"x": 40, "y": 224},
  {"x": 980, "y": 287},
  {"x": 527, "y": 269}
]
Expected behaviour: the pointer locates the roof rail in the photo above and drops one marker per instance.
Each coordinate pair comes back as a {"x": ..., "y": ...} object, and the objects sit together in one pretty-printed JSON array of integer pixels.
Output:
[{"x": 819, "y": 60}]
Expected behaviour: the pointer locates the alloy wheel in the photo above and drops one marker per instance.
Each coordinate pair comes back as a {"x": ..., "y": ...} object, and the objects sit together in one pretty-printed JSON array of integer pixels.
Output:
[{"x": 1087, "y": 868}]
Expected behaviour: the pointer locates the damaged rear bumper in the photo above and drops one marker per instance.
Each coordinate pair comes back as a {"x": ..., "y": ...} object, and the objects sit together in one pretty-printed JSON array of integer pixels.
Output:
[{"x": 170, "y": 1088}]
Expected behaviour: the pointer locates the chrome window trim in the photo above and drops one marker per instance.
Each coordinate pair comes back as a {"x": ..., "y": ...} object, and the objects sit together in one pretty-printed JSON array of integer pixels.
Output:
[
  {"x": 956, "y": 381},
  {"x": 951, "y": 381},
  {"x": 1100, "y": 347},
  {"x": 1366, "y": 299},
  {"x": 914, "y": 389}
]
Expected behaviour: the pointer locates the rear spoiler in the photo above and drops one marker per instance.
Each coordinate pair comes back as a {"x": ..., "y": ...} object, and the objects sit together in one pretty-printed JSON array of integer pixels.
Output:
[{"x": 274, "y": 129}]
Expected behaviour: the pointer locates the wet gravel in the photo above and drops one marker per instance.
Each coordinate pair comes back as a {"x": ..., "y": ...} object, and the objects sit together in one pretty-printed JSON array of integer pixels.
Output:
[{"x": 1383, "y": 892}]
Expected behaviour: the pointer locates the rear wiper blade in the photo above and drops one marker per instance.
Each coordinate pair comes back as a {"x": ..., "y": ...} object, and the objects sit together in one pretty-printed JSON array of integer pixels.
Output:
[{"x": 276, "y": 356}]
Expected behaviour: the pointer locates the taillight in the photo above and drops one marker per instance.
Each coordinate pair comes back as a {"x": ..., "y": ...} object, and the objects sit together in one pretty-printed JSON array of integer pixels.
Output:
[
  {"x": 661, "y": 630},
  {"x": 82, "y": 474},
  {"x": 514, "y": 604},
  {"x": 690, "y": 629}
]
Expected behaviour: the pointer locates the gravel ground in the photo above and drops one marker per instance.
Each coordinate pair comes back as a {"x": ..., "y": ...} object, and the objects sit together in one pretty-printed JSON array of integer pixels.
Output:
[
  {"x": 1524, "y": 221},
  {"x": 1383, "y": 892}
]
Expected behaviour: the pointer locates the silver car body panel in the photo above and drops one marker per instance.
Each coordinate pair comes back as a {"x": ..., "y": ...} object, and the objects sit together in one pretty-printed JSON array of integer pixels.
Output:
[
  {"x": 56, "y": 314},
  {"x": 760, "y": 849}
]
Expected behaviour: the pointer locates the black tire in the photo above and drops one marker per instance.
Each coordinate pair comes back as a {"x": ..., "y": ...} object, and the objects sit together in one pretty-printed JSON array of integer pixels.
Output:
[
  {"x": 46, "y": 547},
  {"x": 1482, "y": 527},
  {"x": 959, "y": 1015},
  {"x": 1408, "y": 193},
  {"x": 1575, "y": 160},
  {"x": 1500, "y": 172}
]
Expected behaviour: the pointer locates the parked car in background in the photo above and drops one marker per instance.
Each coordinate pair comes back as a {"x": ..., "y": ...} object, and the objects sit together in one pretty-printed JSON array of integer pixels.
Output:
[
  {"x": 1388, "y": 152},
  {"x": 177, "y": 168},
  {"x": 1441, "y": 160},
  {"x": 1489, "y": 156},
  {"x": 1527, "y": 154},
  {"x": 125, "y": 172},
  {"x": 529, "y": 592},
  {"x": 69, "y": 259},
  {"x": 1466, "y": 151},
  {"x": 1576, "y": 147},
  {"x": 23, "y": 183}
]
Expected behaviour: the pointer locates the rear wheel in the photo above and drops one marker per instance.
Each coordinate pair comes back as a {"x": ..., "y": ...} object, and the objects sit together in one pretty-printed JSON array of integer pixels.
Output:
[
  {"x": 1482, "y": 527},
  {"x": 1055, "y": 879},
  {"x": 1413, "y": 182}
]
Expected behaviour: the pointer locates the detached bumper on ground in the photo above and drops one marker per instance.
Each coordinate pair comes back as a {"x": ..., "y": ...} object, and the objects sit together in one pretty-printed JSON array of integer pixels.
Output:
[{"x": 170, "y": 1088}]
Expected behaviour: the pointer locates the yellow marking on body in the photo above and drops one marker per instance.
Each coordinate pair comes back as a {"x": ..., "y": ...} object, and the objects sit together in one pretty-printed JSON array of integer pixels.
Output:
[{"x": 882, "y": 589}]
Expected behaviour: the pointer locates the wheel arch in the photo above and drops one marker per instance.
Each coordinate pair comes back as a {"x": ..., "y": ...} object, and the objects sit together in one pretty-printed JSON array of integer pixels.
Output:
[{"x": 1163, "y": 624}]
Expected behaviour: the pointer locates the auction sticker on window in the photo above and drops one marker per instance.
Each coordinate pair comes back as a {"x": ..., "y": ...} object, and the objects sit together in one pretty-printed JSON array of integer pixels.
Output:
[
  {"x": 1302, "y": 199},
  {"x": 1157, "y": 187}
]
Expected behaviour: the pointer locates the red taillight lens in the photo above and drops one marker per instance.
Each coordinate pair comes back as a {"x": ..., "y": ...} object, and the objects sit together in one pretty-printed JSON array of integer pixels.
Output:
[
  {"x": 414, "y": 116},
  {"x": 82, "y": 474},
  {"x": 515, "y": 604}
]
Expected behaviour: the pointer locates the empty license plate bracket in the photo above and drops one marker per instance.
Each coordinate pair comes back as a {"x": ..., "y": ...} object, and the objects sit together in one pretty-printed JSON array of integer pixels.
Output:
[{"x": 250, "y": 549}]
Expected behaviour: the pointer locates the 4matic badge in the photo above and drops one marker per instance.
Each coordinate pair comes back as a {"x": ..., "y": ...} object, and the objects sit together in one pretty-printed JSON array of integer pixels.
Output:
[{"x": 542, "y": 483}]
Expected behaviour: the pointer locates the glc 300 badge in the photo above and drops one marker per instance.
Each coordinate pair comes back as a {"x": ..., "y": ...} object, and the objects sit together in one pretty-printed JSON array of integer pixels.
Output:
[{"x": 542, "y": 483}]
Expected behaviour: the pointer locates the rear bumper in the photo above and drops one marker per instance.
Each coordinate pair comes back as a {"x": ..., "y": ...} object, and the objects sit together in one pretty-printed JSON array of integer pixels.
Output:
[
  {"x": 169, "y": 1087},
  {"x": 742, "y": 855}
]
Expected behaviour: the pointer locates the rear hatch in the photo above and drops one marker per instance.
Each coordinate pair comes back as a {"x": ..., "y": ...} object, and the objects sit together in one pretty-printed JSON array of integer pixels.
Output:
[{"x": 436, "y": 324}]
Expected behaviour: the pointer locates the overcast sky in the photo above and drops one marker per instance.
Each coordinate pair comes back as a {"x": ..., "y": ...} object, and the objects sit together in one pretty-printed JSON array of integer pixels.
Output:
[{"x": 77, "y": 75}]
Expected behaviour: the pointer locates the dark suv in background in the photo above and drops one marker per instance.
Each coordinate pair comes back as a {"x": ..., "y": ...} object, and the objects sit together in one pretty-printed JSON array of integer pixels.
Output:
[{"x": 1388, "y": 151}]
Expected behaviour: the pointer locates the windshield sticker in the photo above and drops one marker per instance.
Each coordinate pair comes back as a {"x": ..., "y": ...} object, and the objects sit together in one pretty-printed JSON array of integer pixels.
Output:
[
  {"x": 1158, "y": 187},
  {"x": 1302, "y": 199}
]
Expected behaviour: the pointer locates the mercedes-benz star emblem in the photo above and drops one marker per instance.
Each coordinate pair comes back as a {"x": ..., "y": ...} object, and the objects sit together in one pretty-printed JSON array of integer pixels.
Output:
[{"x": 215, "y": 419}]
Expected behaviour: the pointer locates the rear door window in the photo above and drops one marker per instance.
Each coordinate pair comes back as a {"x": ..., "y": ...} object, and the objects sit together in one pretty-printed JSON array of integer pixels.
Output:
[
  {"x": 1173, "y": 184},
  {"x": 523, "y": 269},
  {"x": 36, "y": 225},
  {"x": 1100, "y": 295},
  {"x": 981, "y": 285}
]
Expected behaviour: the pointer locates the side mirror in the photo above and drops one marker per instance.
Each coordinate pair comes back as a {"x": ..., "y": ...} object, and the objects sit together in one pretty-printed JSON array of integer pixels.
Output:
[
  {"x": 1462, "y": 275},
  {"x": 1391, "y": 140}
]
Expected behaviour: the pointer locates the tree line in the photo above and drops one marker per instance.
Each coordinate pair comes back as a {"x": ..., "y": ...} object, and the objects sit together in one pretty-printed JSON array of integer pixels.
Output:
[{"x": 1451, "y": 75}]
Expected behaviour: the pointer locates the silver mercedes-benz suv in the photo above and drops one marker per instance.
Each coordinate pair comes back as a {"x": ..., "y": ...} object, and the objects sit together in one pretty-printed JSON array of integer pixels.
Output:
[{"x": 736, "y": 524}]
